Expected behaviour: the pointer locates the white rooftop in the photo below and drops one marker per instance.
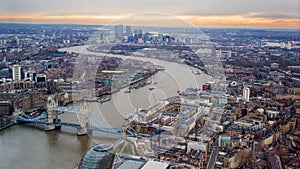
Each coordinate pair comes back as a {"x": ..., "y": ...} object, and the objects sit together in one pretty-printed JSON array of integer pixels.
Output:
[{"x": 156, "y": 165}]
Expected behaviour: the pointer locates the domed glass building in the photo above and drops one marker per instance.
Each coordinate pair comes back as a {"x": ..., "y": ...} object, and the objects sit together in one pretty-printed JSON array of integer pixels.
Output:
[{"x": 98, "y": 157}]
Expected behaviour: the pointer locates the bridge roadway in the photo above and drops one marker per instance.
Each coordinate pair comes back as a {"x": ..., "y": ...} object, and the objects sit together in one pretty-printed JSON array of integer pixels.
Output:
[
  {"x": 43, "y": 120},
  {"x": 66, "y": 109}
]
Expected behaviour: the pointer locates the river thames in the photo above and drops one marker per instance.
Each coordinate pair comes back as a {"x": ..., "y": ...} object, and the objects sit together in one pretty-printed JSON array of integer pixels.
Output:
[{"x": 24, "y": 146}]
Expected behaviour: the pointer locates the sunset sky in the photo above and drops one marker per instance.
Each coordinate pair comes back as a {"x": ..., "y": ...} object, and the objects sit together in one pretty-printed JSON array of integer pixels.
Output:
[{"x": 203, "y": 13}]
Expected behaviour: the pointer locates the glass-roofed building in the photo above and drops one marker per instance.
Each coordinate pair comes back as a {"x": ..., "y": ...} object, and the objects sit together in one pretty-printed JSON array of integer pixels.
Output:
[
  {"x": 98, "y": 157},
  {"x": 102, "y": 157}
]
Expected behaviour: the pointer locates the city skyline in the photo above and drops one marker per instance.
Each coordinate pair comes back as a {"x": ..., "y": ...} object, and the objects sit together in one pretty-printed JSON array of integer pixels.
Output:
[
  {"x": 136, "y": 84},
  {"x": 254, "y": 14}
]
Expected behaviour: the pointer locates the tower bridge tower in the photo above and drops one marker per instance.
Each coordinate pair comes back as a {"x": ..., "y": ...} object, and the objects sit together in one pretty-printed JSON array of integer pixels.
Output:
[
  {"x": 83, "y": 117},
  {"x": 52, "y": 115}
]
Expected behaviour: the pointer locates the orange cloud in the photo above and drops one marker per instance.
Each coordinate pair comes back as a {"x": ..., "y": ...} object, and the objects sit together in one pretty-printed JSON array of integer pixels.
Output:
[
  {"x": 242, "y": 21},
  {"x": 183, "y": 20}
]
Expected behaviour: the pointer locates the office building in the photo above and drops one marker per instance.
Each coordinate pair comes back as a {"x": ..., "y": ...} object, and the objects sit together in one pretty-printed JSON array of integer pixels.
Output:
[
  {"x": 40, "y": 78},
  {"x": 99, "y": 156},
  {"x": 17, "y": 73},
  {"x": 229, "y": 54},
  {"x": 246, "y": 94},
  {"x": 213, "y": 51},
  {"x": 138, "y": 33},
  {"x": 118, "y": 31},
  {"x": 224, "y": 140},
  {"x": 128, "y": 31},
  {"x": 259, "y": 44}
]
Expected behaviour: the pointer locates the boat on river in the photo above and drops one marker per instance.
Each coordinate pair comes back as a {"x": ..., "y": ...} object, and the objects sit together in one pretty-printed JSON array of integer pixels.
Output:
[
  {"x": 89, "y": 99},
  {"x": 127, "y": 91},
  {"x": 104, "y": 100}
]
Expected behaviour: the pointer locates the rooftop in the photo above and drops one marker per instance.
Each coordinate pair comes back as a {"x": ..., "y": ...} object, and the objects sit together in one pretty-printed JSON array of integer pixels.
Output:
[{"x": 155, "y": 164}]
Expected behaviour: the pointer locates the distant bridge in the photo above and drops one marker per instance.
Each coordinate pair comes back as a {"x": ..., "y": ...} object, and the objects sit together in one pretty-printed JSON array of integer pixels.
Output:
[{"x": 49, "y": 118}]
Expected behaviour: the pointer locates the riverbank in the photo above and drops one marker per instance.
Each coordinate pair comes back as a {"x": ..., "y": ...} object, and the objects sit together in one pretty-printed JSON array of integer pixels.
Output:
[
  {"x": 111, "y": 91},
  {"x": 88, "y": 48},
  {"x": 6, "y": 126},
  {"x": 138, "y": 80},
  {"x": 197, "y": 67}
]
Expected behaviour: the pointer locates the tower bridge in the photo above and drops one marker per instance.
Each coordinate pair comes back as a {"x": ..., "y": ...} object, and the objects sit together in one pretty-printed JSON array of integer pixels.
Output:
[{"x": 49, "y": 118}]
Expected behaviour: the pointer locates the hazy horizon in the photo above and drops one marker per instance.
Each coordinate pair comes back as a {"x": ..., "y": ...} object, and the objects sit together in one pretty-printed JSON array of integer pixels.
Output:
[{"x": 200, "y": 13}]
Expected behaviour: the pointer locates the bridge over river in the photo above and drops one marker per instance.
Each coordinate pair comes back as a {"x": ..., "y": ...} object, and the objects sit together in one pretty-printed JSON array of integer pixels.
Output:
[{"x": 50, "y": 119}]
